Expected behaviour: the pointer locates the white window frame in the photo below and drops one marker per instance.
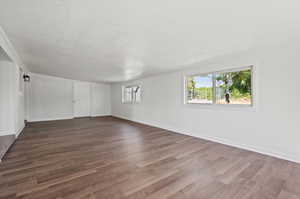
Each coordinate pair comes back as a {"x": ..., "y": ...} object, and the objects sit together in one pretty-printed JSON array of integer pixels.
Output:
[
  {"x": 133, "y": 98},
  {"x": 186, "y": 101}
]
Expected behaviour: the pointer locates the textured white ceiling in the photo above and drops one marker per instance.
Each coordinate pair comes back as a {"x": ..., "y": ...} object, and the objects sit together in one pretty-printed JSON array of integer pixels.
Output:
[{"x": 117, "y": 40}]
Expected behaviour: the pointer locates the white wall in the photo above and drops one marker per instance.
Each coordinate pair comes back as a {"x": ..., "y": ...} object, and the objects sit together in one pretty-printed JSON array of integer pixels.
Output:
[
  {"x": 51, "y": 98},
  {"x": 82, "y": 99},
  {"x": 6, "y": 98},
  {"x": 12, "y": 101},
  {"x": 100, "y": 99},
  {"x": 19, "y": 97},
  {"x": 271, "y": 127},
  {"x": 6, "y": 45}
]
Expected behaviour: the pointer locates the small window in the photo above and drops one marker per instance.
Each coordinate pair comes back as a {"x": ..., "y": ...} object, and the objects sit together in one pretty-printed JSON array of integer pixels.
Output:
[
  {"x": 200, "y": 89},
  {"x": 127, "y": 94},
  {"x": 131, "y": 94},
  {"x": 224, "y": 87}
]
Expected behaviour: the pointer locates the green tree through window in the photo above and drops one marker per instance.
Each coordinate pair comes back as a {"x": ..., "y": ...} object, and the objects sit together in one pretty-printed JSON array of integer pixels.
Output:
[{"x": 221, "y": 87}]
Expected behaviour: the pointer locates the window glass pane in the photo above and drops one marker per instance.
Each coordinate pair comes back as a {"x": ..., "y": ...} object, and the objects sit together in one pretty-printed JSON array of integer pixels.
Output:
[
  {"x": 234, "y": 87},
  {"x": 136, "y": 93},
  {"x": 200, "y": 89},
  {"x": 131, "y": 94},
  {"x": 128, "y": 94}
]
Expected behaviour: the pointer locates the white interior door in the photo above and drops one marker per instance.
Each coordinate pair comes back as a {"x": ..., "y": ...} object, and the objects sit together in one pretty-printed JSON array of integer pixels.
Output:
[{"x": 81, "y": 99}]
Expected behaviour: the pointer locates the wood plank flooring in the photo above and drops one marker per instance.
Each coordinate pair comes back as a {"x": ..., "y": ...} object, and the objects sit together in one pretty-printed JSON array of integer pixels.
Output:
[{"x": 110, "y": 158}]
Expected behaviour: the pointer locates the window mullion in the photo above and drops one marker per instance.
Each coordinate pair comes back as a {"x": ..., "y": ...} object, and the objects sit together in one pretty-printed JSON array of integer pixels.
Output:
[
  {"x": 132, "y": 95},
  {"x": 214, "y": 88}
]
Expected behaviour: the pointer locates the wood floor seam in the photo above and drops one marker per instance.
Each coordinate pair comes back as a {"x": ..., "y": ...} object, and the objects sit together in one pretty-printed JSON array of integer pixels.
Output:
[{"x": 111, "y": 158}]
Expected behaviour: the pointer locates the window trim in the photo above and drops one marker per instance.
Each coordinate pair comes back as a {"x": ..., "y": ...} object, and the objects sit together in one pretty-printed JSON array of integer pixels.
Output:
[
  {"x": 213, "y": 73},
  {"x": 132, "y": 101},
  {"x": 186, "y": 90}
]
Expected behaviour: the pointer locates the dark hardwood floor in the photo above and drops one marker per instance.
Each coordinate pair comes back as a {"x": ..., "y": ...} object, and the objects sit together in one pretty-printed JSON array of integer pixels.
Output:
[{"x": 110, "y": 158}]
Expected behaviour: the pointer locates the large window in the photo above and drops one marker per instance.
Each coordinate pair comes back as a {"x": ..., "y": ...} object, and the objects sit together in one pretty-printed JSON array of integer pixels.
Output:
[
  {"x": 224, "y": 87},
  {"x": 131, "y": 94}
]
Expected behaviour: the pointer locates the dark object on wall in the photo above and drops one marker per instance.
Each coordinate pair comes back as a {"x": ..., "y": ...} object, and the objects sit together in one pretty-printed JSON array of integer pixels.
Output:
[{"x": 26, "y": 78}]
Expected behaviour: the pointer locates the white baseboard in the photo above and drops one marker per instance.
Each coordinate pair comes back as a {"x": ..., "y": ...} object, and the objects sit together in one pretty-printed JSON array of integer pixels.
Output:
[
  {"x": 17, "y": 133},
  {"x": 63, "y": 118},
  {"x": 50, "y": 119},
  {"x": 101, "y": 115},
  {"x": 276, "y": 154},
  {"x": 20, "y": 131},
  {"x": 3, "y": 133}
]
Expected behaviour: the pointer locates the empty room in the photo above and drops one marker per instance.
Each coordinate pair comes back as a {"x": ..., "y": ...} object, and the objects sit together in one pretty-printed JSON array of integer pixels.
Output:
[{"x": 157, "y": 99}]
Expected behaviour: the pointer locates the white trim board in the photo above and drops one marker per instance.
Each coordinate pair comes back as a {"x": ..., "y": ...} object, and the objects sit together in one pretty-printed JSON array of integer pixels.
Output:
[
  {"x": 101, "y": 115},
  {"x": 4, "y": 133},
  {"x": 20, "y": 131},
  {"x": 65, "y": 118},
  {"x": 223, "y": 141},
  {"x": 50, "y": 119}
]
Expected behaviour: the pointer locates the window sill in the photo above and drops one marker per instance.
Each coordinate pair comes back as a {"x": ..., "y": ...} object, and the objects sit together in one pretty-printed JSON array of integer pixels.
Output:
[
  {"x": 234, "y": 107},
  {"x": 130, "y": 102}
]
